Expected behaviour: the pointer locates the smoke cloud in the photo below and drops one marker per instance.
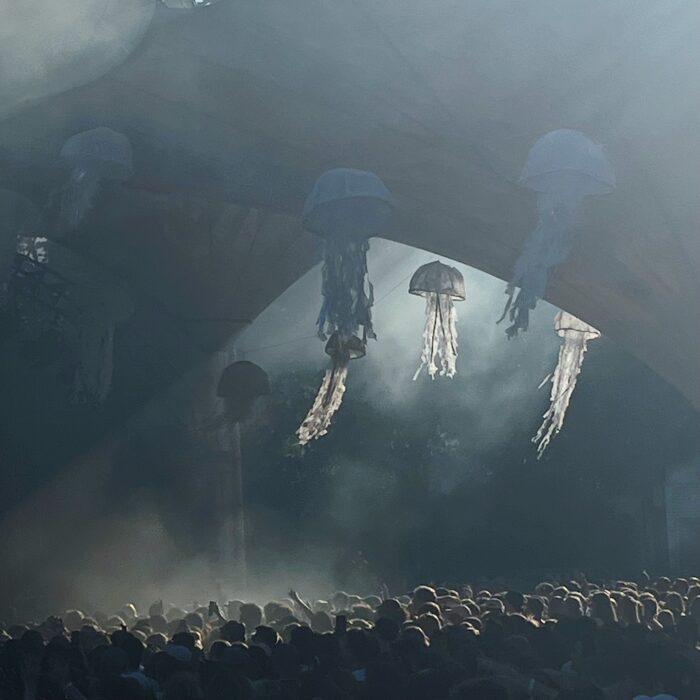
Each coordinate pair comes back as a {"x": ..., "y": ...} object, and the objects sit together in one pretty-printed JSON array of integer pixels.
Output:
[
  {"x": 498, "y": 378},
  {"x": 47, "y": 46}
]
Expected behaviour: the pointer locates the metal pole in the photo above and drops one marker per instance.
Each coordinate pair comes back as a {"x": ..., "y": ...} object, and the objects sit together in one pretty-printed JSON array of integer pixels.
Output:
[
  {"x": 238, "y": 507},
  {"x": 233, "y": 544}
]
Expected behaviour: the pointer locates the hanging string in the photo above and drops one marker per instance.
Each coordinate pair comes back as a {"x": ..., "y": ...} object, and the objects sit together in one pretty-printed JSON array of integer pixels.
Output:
[{"x": 249, "y": 351}]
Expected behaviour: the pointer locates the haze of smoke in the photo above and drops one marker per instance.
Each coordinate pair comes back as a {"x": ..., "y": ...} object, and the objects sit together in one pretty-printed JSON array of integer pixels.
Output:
[
  {"x": 500, "y": 377},
  {"x": 47, "y": 46}
]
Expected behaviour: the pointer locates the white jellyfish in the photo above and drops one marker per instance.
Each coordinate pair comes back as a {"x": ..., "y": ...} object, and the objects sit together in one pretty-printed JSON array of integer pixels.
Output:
[
  {"x": 563, "y": 168},
  {"x": 330, "y": 396},
  {"x": 92, "y": 157},
  {"x": 575, "y": 334},
  {"x": 441, "y": 285}
]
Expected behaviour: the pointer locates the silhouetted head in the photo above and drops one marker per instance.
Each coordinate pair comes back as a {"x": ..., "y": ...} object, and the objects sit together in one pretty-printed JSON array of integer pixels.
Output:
[
  {"x": 387, "y": 630},
  {"x": 663, "y": 584},
  {"x": 232, "y": 631},
  {"x": 194, "y": 621},
  {"x": 340, "y": 601},
  {"x": 694, "y": 608},
  {"x": 514, "y": 601},
  {"x": 133, "y": 647},
  {"x": 681, "y": 586},
  {"x": 534, "y": 607},
  {"x": 602, "y": 608},
  {"x": 573, "y": 606},
  {"x": 423, "y": 594},
  {"x": 265, "y": 636},
  {"x": 185, "y": 639},
  {"x": 674, "y": 602},
  {"x": 629, "y": 610},
  {"x": 321, "y": 622},
  {"x": 429, "y": 623},
  {"x": 392, "y": 610},
  {"x": 250, "y": 615}
]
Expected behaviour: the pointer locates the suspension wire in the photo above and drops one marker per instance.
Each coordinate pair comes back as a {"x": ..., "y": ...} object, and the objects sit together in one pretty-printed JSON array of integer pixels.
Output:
[{"x": 247, "y": 351}]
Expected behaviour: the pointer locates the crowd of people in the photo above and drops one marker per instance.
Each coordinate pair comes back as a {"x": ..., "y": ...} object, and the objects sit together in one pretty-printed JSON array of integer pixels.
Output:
[{"x": 572, "y": 640}]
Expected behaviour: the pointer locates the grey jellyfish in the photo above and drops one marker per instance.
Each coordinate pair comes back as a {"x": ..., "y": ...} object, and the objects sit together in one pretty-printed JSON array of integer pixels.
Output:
[
  {"x": 441, "y": 285},
  {"x": 345, "y": 208},
  {"x": 18, "y": 218},
  {"x": 92, "y": 157},
  {"x": 575, "y": 335},
  {"x": 98, "y": 303},
  {"x": 563, "y": 168}
]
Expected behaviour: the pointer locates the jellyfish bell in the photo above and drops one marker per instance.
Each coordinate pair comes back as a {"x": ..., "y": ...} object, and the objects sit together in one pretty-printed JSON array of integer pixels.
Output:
[
  {"x": 563, "y": 168},
  {"x": 102, "y": 150},
  {"x": 575, "y": 335},
  {"x": 91, "y": 157},
  {"x": 240, "y": 385},
  {"x": 440, "y": 285},
  {"x": 351, "y": 349},
  {"x": 347, "y": 202},
  {"x": 438, "y": 278},
  {"x": 567, "y": 325},
  {"x": 566, "y": 160}
]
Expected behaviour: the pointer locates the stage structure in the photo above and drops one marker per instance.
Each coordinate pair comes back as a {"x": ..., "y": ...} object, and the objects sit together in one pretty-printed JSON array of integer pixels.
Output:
[{"x": 232, "y": 110}]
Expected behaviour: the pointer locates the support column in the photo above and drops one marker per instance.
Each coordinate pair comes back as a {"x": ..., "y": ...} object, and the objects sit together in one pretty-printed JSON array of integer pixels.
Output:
[{"x": 220, "y": 446}]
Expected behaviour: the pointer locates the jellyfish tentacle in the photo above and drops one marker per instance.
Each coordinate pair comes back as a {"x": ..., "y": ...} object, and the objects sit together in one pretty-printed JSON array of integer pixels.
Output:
[
  {"x": 327, "y": 402},
  {"x": 346, "y": 305},
  {"x": 439, "y": 353},
  {"x": 449, "y": 335},
  {"x": 78, "y": 197},
  {"x": 432, "y": 367},
  {"x": 451, "y": 326},
  {"x": 429, "y": 337},
  {"x": 93, "y": 157},
  {"x": 94, "y": 371},
  {"x": 575, "y": 336}
]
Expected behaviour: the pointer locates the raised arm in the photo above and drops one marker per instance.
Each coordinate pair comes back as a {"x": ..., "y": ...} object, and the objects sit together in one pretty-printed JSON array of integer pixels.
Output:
[{"x": 304, "y": 607}]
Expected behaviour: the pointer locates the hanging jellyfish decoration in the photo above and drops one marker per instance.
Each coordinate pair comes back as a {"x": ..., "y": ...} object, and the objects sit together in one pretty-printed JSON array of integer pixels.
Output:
[
  {"x": 563, "y": 168},
  {"x": 94, "y": 304},
  {"x": 345, "y": 208},
  {"x": 317, "y": 422},
  {"x": 441, "y": 285},
  {"x": 575, "y": 335},
  {"x": 92, "y": 157},
  {"x": 240, "y": 385},
  {"x": 18, "y": 218}
]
